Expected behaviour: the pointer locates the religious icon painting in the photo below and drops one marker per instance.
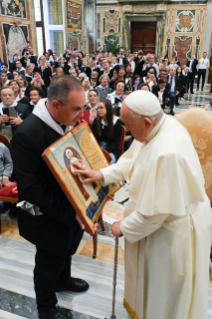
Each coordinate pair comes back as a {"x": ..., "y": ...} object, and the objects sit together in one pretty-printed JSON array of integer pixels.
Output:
[
  {"x": 79, "y": 144},
  {"x": 16, "y": 38},
  {"x": 14, "y": 8}
]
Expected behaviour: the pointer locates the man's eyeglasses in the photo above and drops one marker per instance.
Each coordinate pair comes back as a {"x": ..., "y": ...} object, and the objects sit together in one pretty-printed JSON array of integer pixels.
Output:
[{"x": 75, "y": 111}]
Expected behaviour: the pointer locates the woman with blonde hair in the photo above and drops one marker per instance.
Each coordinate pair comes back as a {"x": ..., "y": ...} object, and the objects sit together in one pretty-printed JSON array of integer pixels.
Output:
[{"x": 59, "y": 71}]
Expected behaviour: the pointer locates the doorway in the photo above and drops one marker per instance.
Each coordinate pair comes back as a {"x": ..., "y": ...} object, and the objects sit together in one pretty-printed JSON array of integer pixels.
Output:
[{"x": 143, "y": 36}]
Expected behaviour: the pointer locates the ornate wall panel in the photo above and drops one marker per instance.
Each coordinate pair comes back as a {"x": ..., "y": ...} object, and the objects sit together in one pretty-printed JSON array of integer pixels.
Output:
[
  {"x": 99, "y": 42},
  {"x": 169, "y": 20},
  {"x": 185, "y": 25},
  {"x": 74, "y": 15},
  {"x": 200, "y": 20},
  {"x": 14, "y": 8},
  {"x": 182, "y": 48},
  {"x": 168, "y": 46},
  {"x": 185, "y": 21},
  {"x": 111, "y": 21}
]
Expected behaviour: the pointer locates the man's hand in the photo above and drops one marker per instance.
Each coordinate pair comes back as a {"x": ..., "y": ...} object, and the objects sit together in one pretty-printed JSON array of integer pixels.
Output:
[
  {"x": 16, "y": 120},
  {"x": 4, "y": 118},
  {"x": 85, "y": 228},
  {"x": 116, "y": 230},
  {"x": 85, "y": 171},
  {"x": 5, "y": 182},
  {"x": 177, "y": 92}
]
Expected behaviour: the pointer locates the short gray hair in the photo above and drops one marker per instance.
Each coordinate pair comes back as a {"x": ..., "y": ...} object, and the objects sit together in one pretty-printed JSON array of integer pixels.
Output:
[{"x": 61, "y": 86}]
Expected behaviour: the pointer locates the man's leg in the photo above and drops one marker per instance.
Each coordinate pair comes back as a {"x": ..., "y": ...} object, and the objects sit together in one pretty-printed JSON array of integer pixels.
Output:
[
  {"x": 172, "y": 100},
  {"x": 188, "y": 81},
  {"x": 63, "y": 281},
  {"x": 198, "y": 80},
  {"x": 47, "y": 269},
  {"x": 203, "y": 78},
  {"x": 192, "y": 83}
]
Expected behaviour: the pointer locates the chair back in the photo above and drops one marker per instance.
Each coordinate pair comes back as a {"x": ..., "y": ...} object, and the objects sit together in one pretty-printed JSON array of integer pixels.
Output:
[
  {"x": 107, "y": 155},
  {"x": 5, "y": 140},
  {"x": 198, "y": 122}
]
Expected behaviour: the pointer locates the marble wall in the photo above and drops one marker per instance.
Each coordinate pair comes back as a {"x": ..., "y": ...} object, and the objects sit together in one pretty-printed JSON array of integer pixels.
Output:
[{"x": 17, "y": 27}]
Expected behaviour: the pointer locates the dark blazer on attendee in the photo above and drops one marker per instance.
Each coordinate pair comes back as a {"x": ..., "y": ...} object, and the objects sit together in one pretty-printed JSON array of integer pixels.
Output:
[
  {"x": 177, "y": 83},
  {"x": 194, "y": 66},
  {"x": 37, "y": 185},
  {"x": 23, "y": 111}
]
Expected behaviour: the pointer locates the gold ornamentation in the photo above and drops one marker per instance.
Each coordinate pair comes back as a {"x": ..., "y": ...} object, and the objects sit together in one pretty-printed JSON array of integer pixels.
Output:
[{"x": 132, "y": 313}]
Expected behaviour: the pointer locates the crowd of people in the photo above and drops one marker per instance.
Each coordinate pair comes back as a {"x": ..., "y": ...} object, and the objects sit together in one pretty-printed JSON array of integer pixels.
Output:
[{"x": 107, "y": 79}]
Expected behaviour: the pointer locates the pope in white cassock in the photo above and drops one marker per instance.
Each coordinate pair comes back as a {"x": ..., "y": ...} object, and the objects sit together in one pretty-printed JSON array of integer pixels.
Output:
[{"x": 167, "y": 220}]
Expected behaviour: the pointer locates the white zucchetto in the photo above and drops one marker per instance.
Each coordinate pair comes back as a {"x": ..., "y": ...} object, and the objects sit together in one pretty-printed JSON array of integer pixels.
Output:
[{"x": 143, "y": 103}]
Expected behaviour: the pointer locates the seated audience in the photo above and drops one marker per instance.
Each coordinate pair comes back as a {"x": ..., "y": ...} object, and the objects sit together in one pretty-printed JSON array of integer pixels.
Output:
[{"x": 108, "y": 130}]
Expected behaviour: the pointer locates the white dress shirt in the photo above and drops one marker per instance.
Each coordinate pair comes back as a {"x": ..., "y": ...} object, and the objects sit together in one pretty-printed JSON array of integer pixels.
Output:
[{"x": 203, "y": 64}]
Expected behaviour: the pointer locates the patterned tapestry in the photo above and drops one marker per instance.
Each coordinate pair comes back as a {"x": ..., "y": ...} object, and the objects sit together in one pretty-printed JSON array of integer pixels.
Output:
[
  {"x": 14, "y": 8},
  {"x": 74, "y": 15},
  {"x": 112, "y": 21},
  {"x": 16, "y": 38}
]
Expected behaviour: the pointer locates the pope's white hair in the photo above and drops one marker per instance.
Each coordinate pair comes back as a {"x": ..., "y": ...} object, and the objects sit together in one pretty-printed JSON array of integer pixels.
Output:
[{"x": 154, "y": 118}]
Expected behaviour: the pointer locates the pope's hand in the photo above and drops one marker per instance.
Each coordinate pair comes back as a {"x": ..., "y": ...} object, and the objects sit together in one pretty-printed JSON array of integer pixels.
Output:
[
  {"x": 85, "y": 228},
  {"x": 116, "y": 230},
  {"x": 88, "y": 174}
]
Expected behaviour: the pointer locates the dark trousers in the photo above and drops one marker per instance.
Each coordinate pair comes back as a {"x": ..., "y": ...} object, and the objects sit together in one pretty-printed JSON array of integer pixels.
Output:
[
  {"x": 201, "y": 73},
  {"x": 191, "y": 77},
  {"x": 171, "y": 103},
  {"x": 53, "y": 270}
]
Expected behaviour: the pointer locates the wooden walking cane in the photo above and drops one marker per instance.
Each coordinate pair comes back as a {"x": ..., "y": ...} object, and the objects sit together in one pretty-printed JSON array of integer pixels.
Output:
[{"x": 115, "y": 277}]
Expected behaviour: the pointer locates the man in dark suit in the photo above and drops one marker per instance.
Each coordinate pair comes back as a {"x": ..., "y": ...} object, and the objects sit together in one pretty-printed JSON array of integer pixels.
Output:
[
  {"x": 121, "y": 58},
  {"x": 58, "y": 230},
  {"x": 174, "y": 88},
  {"x": 192, "y": 65},
  {"x": 9, "y": 124}
]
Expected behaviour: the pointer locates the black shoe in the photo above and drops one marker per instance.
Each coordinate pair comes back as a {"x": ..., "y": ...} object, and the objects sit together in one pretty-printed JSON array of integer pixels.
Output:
[
  {"x": 192, "y": 92},
  {"x": 54, "y": 313},
  {"x": 73, "y": 284}
]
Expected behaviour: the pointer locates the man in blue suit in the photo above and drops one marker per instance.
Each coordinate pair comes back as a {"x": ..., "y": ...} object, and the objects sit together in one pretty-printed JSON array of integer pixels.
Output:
[{"x": 192, "y": 65}]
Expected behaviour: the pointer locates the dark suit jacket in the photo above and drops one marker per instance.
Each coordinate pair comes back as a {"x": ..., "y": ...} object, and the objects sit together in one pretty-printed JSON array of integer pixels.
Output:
[
  {"x": 37, "y": 185},
  {"x": 177, "y": 83},
  {"x": 194, "y": 66},
  {"x": 165, "y": 95},
  {"x": 125, "y": 61},
  {"x": 23, "y": 111}
]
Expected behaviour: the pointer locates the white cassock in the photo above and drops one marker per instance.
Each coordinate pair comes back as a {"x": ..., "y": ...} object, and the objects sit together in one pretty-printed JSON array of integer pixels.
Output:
[{"x": 167, "y": 226}]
